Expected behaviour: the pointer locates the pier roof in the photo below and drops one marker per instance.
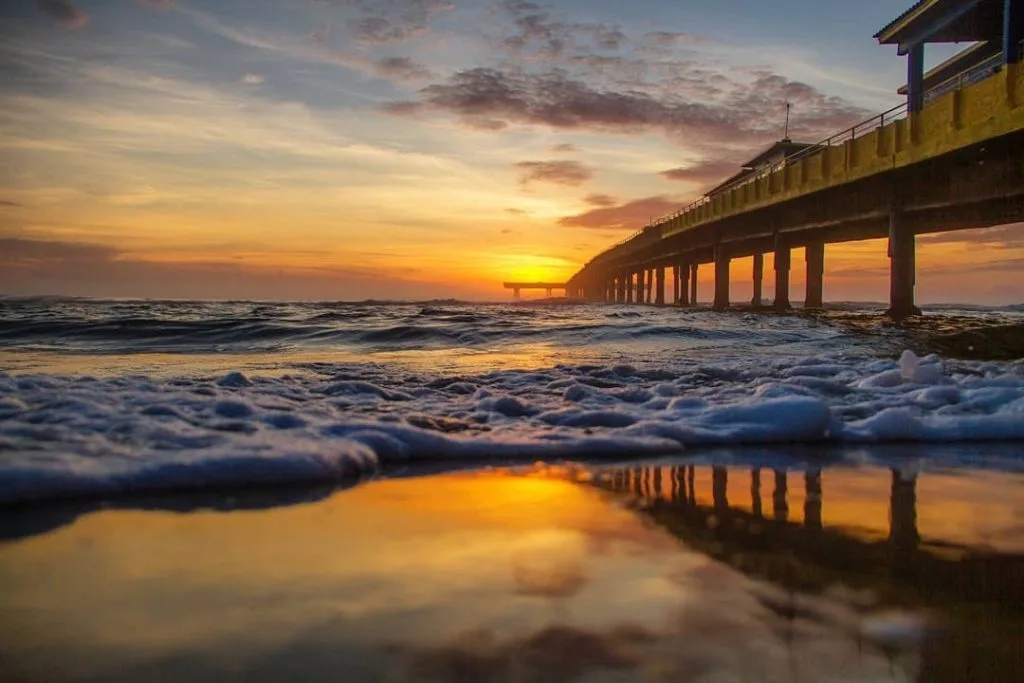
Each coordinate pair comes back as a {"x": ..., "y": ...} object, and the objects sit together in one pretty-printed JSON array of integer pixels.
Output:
[{"x": 944, "y": 21}]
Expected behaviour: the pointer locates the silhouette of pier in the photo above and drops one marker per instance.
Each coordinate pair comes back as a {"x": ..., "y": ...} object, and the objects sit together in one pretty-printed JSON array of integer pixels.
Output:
[
  {"x": 748, "y": 537},
  {"x": 981, "y": 590},
  {"x": 950, "y": 158},
  {"x": 548, "y": 287}
]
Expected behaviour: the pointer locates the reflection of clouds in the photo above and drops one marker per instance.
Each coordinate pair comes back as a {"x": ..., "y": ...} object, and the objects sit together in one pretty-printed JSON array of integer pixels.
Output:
[
  {"x": 421, "y": 589},
  {"x": 554, "y": 653},
  {"x": 539, "y": 576}
]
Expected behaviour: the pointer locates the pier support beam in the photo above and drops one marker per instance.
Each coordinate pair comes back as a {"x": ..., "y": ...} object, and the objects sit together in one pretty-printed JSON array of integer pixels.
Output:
[
  {"x": 815, "y": 256},
  {"x": 684, "y": 285},
  {"x": 659, "y": 290},
  {"x": 758, "y": 278},
  {"x": 628, "y": 286},
  {"x": 1013, "y": 30},
  {"x": 721, "y": 278},
  {"x": 902, "y": 267},
  {"x": 915, "y": 79},
  {"x": 693, "y": 283},
  {"x": 650, "y": 285},
  {"x": 675, "y": 284},
  {"x": 782, "y": 263}
]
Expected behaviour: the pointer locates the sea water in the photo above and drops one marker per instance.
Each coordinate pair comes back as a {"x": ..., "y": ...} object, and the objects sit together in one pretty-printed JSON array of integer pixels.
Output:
[
  {"x": 259, "y": 492},
  {"x": 112, "y": 397}
]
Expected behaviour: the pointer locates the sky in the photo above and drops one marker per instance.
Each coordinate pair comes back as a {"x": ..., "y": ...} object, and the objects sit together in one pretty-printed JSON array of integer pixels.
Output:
[{"x": 353, "y": 149}]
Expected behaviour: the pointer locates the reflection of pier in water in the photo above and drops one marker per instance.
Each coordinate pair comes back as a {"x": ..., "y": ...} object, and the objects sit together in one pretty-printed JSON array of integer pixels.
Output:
[
  {"x": 795, "y": 548},
  {"x": 979, "y": 591}
]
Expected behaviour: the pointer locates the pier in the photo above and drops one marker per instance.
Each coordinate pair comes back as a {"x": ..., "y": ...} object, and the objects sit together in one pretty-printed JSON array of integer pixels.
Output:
[
  {"x": 548, "y": 287},
  {"x": 951, "y": 157}
]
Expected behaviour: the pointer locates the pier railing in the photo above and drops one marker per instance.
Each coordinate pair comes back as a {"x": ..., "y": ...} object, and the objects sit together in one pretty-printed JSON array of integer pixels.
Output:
[{"x": 851, "y": 133}]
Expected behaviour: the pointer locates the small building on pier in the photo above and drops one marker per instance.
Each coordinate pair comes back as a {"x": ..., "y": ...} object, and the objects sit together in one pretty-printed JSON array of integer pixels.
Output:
[
  {"x": 996, "y": 26},
  {"x": 772, "y": 156}
]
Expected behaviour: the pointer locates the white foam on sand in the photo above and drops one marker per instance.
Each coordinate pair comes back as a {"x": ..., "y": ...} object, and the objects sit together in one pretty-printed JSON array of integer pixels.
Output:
[{"x": 63, "y": 436}]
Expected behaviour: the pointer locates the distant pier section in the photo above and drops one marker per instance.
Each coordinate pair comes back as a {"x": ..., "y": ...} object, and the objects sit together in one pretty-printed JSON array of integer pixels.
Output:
[
  {"x": 548, "y": 287},
  {"x": 950, "y": 157}
]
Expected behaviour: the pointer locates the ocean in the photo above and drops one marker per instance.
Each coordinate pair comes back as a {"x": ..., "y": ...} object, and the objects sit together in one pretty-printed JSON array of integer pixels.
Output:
[
  {"x": 445, "y": 491},
  {"x": 115, "y": 397}
]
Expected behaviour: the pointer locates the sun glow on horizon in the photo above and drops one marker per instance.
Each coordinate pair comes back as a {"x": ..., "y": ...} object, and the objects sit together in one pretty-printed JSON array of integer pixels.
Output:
[{"x": 159, "y": 149}]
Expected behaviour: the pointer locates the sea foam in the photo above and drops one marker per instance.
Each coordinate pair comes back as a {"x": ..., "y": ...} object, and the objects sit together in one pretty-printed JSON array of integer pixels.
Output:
[{"x": 72, "y": 436}]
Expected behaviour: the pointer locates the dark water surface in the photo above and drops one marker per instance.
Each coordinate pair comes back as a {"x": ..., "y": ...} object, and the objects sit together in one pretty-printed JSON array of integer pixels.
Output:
[{"x": 737, "y": 567}]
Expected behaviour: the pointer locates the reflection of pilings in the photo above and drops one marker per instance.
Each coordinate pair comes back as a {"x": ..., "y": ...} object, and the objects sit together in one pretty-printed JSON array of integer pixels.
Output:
[
  {"x": 903, "y": 512},
  {"x": 812, "y": 498},
  {"x": 780, "y": 508},
  {"x": 690, "y": 492},
  {"x": 657, "y": 482},
  {"x": 755, "y": 491},
  {"x": 720, "y": 488}
]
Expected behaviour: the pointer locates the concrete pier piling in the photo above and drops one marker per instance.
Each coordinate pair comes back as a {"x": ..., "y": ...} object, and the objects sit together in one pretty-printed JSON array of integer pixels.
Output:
[
  {"x": 782, "y": 264},
  {"x": 758, "y": 279},
  {"x": 815, "y": 257}
]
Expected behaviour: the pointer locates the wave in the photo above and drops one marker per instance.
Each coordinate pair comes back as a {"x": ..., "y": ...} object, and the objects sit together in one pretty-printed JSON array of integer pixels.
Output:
[
  {"x": 244, "y": 327},
  {"x": 72, "y": 437}
]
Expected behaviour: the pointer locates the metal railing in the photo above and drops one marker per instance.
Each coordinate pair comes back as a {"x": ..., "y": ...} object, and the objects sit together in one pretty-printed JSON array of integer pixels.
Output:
[
  {"x": 978, "y": 72},
  {"x": 851, "y": 133}
]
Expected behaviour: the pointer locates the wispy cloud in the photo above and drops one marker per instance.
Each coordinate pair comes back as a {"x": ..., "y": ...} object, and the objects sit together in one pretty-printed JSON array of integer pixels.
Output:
[
  {"x": 162, "y": 5},
  {"x": 598, "y": 199},
  {"x": 1008, "y": 236},
  {"x": 674, "y": 38},
  {"x": 391, "y": 21},
  {"x": 703, "y": 174},
  {"x": 567, "y": 173},
  {"x": 535, "y": 33},
  {"x": 629, "y": 215},
  {"x": 401, "y": 68},
  {"x": 63, "y": 12},
  {"x": 253, "y": 79}
]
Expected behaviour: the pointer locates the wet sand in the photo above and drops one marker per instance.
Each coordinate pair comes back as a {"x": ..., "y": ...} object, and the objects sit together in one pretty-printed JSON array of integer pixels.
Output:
[{"x": 672, "y": 570}]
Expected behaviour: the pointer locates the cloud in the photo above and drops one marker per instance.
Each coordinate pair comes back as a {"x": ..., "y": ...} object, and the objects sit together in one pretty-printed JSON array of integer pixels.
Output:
[
  {"x": 564, "y": 148},
  {"x": 704, "y": 174},
  {"x": 568, "y": 173},
  {"x": 1008, "y": 236},
  {"x": 6, "y": 202},
  {"x": 600, "y": 200},
  {"x": 16, "y": 250},
  {"x": 668, "y": 38},
  {"x": 253, "y": 79},
  {"x": 632, "y": 215},
  {"x": 391, "y": 21},
  {"x": 556, "y": 100},
  {"x": 162, "y": 5},
  {"x": 515, "y": 212},
  {"x": 29, "y": 266},
  {"x": 63, "y": 12},
  {"x": 401, "y": 68},
  {"x": 536, "y": 34}
]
